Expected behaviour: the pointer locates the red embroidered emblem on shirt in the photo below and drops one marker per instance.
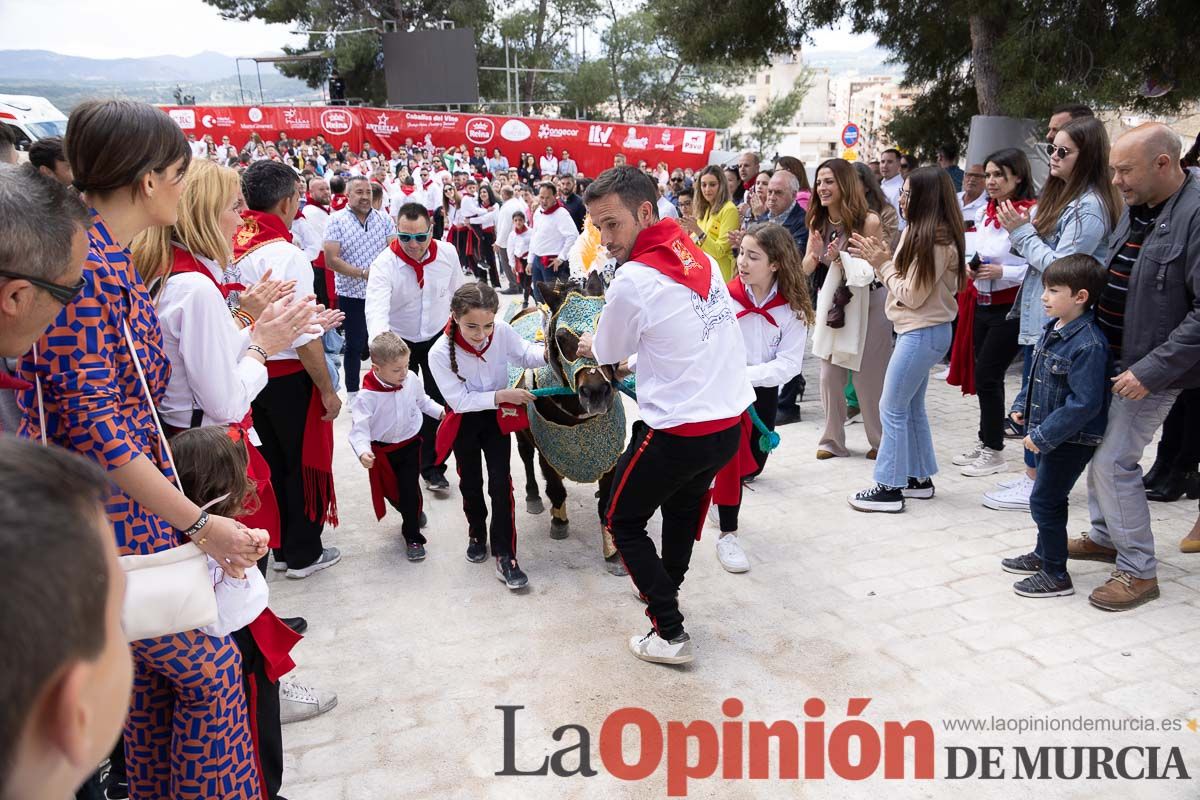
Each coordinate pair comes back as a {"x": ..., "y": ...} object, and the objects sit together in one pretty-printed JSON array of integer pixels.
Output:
[
  {"x": 508, "y": 412},
  {"x": 246, "y": 232},
  {"x": 685, "y": 257}
]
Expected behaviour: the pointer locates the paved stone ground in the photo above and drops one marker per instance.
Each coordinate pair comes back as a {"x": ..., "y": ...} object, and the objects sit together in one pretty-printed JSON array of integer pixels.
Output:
[{"x": 910, "y": 610}]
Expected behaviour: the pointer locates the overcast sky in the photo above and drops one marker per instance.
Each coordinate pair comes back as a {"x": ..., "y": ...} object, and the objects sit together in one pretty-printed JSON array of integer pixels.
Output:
[{"x": 138, "y": 28}]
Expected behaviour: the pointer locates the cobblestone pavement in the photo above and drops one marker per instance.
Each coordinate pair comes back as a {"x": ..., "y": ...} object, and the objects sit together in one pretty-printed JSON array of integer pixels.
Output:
[{"x": 909, "y": 610}]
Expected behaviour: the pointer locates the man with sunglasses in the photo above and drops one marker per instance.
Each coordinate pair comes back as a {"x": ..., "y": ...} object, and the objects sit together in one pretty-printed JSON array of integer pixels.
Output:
[
  {"x": 43, "y": 247},
  {"x": 409, "y": 287}
]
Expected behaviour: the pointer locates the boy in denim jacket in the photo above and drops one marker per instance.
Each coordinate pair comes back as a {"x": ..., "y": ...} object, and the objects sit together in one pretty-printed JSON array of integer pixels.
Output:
[{"x": 1064, "y": 408}]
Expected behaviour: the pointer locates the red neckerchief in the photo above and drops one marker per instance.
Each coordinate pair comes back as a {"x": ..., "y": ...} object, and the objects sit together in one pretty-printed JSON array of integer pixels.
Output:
[
  {"x": 748, "y": 185},
  {"x": 372, "y": 384},
  {"x": 427, "y": 184},
  {"x": 990, "y": 218},
  {"x": 182, "y": 262},
  {"x": 308, "y": 201},
  {"x": 406, "y": 189},
  {"x": 418, "y": 266},
  {"x": 464, "y": 344},
  {"x": 258, "y": 228},
  {"x": 741, "y": 296},
  {"x": 665, "y": 247},
  {"x": 557, "y": 205},
  {"x": 339, "y": 202}
]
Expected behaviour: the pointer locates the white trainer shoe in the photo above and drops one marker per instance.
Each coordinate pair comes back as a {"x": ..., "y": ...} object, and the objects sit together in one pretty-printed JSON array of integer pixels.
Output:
[
  {"x": 1012, "y": 498},
  {"x": 1011, "y": 482},
  {"x": 298, "y": 702},
  {"x": 730, "y": 553},
  {"x": 989, "y": 463},
  {"x": 652, "y": 647},
  {"x": 714, "y": 516},
  {"x": 963, "y": 459},
  {"x": 329, "y": 557},
  {"x": 278, "y": 566}
]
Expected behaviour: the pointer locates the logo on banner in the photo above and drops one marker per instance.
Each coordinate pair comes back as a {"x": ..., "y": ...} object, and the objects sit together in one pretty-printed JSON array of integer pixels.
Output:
[
  {"x": 549, "y": 132},
  {"x": 599, "y": 134},
  {"x": 336, "y": 122},
  {"x": 693, "y": 142},
  {"x": 382, "y": 126},
  {"x": 255, "y": 114},
  {"x": 632, "y": 141},
  {"x": 665, "y": 144},
  {"x": 292, "y": 118},
  {"x": 184, "y": 118},
  {"x": 515, "y": 131},
  {"x": 207, "y": 120},
  {"x": 480, "y": 130}
]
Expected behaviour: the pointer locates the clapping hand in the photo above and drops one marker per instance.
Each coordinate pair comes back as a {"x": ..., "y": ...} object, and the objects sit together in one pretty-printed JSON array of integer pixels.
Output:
[
  {"x": 872, "y": 250},
  {"x": 1009, "y": 217}
]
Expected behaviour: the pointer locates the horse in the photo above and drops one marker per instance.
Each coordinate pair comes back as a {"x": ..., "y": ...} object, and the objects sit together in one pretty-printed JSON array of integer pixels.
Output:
[{"x": 578, "y": 430}]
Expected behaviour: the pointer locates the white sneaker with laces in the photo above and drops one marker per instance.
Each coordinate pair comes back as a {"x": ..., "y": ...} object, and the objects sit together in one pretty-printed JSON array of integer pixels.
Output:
[
  {"x": 279, "y": 566},
  {"x": 652, "y": 647},
  {"x": 969, "y": 456},
  {"x": 714, "y": 516},
  {"x": 329, "y": 557},
  {"x": 941, "y": 375},
  {"x": 989, "y": 463},
  {"x": 730, "y": 553},
  {"x": 1011, "y": 482},
  {"x": 1011, "y": 498},
  {"x": 298, "y": 702}
]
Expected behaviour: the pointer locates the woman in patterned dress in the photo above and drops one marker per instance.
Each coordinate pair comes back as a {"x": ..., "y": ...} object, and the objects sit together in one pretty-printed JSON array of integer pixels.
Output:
[{"x": 187, "y": 735}]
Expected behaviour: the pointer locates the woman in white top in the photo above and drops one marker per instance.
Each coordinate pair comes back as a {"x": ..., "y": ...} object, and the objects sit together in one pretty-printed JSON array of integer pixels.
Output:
[
  {"x": 991, "y": 336},
  {"x": 774, "y": 311},
  {"x": 483, "y": 225}
]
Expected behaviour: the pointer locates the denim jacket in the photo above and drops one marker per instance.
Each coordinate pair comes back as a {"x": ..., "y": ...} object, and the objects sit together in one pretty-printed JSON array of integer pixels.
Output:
[
  {"x": 1082, "y": 228},
  {"x": 1066, "y": 396}
]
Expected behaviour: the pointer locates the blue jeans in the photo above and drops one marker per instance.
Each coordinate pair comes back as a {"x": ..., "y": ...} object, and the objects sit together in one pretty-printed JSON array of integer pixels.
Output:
[
  {"x": 906, "y": 449},
  {"x": 542, "y": 271},
  {"x": 1058, "y": 470},
  {"x": 1031, "y": 458}
]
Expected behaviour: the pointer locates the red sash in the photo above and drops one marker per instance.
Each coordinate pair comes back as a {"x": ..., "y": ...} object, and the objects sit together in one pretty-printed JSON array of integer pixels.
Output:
[
  {"x": 266, "y": 516},
  {"x": 665, "y": 247},
  {"x": 182, "y": 262},
  {"x": 276, "y": 641},
  {"x": 258, "y": 228},
  {"x": 962, "y": 351},
  {"x": 727, "y": 486},
  {"x": 418, "y": 266},
  {"x": 384, "y": 483},
  {"x": 741, "y": 296},
  {"x": 316, "y": 455}
]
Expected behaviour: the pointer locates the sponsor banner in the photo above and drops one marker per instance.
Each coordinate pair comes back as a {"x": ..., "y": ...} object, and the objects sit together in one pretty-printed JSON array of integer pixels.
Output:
[{"x": 591, "y": 144}]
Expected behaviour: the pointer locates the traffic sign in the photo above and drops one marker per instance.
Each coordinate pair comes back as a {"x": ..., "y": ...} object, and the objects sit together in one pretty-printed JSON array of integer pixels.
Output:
[
  {"x": 850, "y": 134},
  {"x": 850, "y": 155}
]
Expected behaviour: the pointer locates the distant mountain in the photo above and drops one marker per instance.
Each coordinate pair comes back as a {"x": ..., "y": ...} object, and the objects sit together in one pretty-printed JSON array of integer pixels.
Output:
[{"x": 869, "y": 61}]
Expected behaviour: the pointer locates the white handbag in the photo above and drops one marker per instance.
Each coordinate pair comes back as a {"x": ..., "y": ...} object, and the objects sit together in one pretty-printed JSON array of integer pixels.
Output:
[{"x": 166, "y": 592}]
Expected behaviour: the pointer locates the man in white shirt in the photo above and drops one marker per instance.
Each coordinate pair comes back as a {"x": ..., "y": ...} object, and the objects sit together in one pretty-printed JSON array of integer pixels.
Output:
[
  {"x": 666, "y": 209},
  {"x": 409, "y": 288},
  {"x": 548, "y": 164},
  {"x": 669, "y": 306},
  {"x": 510, "y": 204},
  {"x": 972, "y": 197},
  {"x": 553, "y": 234},
  {"x": 199, "y": 146},
  {"x": 891, "y": 181}
]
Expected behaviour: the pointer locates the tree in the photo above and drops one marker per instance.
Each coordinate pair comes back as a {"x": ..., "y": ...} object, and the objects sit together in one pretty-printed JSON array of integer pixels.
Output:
[{"x": 768, "y": 123}]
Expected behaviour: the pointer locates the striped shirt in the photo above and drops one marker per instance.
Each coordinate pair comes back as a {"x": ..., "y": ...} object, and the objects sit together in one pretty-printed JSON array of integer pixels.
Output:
[{"x": 1110, "y": 310}]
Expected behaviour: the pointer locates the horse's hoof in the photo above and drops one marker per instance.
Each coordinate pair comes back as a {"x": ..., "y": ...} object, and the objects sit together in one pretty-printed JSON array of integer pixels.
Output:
[
  {"x": 559, "y": 529},
  {"x": 615, "y": 566},
  {"x": 534, "y": 505}
]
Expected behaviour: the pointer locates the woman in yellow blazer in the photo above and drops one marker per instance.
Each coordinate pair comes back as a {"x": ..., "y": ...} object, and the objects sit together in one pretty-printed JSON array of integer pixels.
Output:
[{"x": 715, "y": 217}]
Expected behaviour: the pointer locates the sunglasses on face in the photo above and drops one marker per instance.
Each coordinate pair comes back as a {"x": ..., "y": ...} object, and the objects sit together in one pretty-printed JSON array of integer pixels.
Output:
[
  {"x": 63, "y": 294},
  {"x": 1061, "y": 152},
  {"x": 413, "y": 237}
]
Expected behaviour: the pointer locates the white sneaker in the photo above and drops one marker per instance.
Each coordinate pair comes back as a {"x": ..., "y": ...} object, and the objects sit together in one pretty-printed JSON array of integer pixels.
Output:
[
  {"x": 730, "y": 553},
  {"x": 941, "y": 375},
  {"x": 989, "y": 463},
  {"x": 714, "y": 516},
  {"x": 1011, "y": 498},
  {"x": 968, "y": 457},
  {"x": 653, "y": 647},
  {"x": 279, "y": 566},
  {"x": 329, "y": 557},
  {"x": 1011, "y": 482},
  {"x": 298, "y": 702}
]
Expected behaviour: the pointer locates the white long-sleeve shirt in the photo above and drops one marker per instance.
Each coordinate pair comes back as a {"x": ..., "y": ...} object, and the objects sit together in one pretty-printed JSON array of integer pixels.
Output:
[
  {"x": 306, "y": 236},
  {"x": 691, "y": 360},
  {"x": 549, "y": 166},
  {"x": 553, "y": 234},
  {"x": 504, "y": 218},
  {"x": 994, "y": 246},
  {"x": 483, "y": 376},
  {"x": 287, "y": 263},
  {"x": 390, "y": 417},
  {"x": 206, "y": 350},
  {"x": 517, "y": 246},
  {"x": 774, "y": 353},
  {"x": 891, "y": 190},
  {"x": 396, "y": 303}
]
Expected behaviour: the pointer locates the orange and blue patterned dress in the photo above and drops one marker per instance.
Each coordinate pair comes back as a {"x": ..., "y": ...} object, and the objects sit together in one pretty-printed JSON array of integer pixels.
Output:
[{"x": 187, "y": 736}]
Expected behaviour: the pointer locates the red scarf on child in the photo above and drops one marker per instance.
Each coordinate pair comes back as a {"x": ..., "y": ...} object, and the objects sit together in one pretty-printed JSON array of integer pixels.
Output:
[
  {"x": 665, "y": 247},
  {"x": 384, "y": 483},
  {"x": 741, "y": 296}
]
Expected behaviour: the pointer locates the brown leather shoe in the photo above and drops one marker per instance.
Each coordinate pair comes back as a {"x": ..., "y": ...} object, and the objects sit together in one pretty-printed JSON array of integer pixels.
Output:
[
  {"x": 1084, "y": 549},
  {"x": 873, "y": 453},
  {"x": 822, "y": 455},
  {"x": 1123, "y": 592}
]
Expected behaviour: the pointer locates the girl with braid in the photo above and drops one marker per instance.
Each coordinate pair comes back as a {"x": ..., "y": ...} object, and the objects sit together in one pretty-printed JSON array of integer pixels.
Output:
[{"x": 470, "y": 364}]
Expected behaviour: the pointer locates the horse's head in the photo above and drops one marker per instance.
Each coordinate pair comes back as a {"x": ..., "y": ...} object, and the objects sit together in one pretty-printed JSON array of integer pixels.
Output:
[{"x": 574, "y": 310}]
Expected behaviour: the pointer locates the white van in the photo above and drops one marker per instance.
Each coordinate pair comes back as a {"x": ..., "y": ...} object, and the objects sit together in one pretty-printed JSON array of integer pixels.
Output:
[{"x": 32, "y": 118}]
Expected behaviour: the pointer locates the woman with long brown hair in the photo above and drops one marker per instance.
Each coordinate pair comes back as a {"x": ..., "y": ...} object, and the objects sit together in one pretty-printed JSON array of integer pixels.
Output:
[
  {"x": 922, "y": 280},
  {"x": 715, "y": 215},
  {"x": 839, "y": 209}
]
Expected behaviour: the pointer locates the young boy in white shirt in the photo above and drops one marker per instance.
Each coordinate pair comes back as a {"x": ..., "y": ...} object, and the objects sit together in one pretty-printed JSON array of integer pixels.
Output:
[{"x": 385, "y": 435}]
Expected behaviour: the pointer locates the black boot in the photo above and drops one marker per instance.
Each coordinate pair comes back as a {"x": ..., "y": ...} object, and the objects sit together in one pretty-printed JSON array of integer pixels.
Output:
[
  {"x": 1154, "y": 475},
  {"x": 1175, "y": 485}
]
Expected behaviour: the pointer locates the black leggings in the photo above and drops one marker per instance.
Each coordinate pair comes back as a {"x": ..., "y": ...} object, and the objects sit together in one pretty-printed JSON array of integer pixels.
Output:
[
  {"x": 418, "y": 362},
  {"x": 995, "y": 348},
  {"x": 766, "y": 404},
  {"x": 479, "y": 440},
  {"x": 486, "y": 255}
]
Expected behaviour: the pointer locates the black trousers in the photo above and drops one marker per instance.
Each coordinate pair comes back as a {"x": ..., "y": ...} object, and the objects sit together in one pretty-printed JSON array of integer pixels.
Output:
[
  {"x": 262, "y": 700},
  {"x": 486, "y": 255},
  {"x": 406, "y": 464},
  {"x": 355, "y": 328},
  {"x": 674, "y": 473},
  {"x": 766, "y": 404},
  {"x": 995, "y": 348},
  {"x": 1179, "y": 447},
  {"x": 479, "y": 440},
  {"x": 280, "y": 416},
  {"x": 439, "y": 223},
  {"x": 418, "y": 362}
]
